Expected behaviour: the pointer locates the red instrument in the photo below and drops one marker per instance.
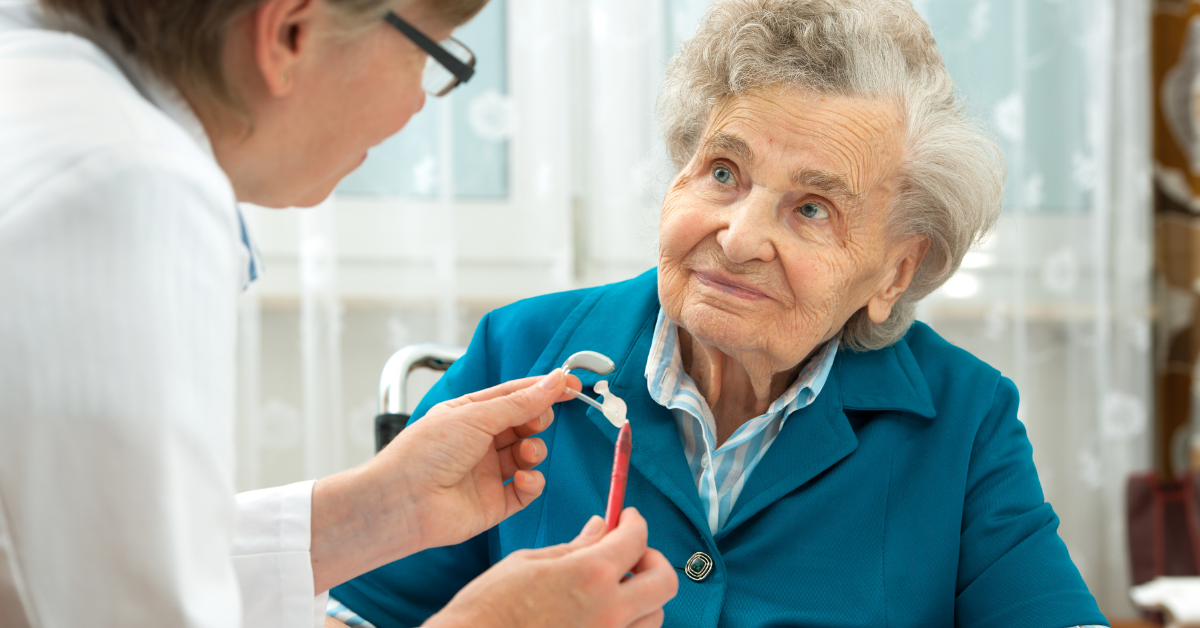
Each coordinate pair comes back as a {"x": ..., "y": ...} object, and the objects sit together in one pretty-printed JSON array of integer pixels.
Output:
[{"x": 620, "y": 475}]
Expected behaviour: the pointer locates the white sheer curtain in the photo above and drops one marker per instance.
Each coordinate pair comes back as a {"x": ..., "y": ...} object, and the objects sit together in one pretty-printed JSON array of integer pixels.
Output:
[
  {"x": 1059, "y": 299},
  {"x": 545, "y": 173}
]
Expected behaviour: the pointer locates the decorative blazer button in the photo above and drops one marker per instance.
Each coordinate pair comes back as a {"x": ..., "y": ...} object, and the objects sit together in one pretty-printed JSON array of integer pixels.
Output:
[{"x": 698, "y": 566}]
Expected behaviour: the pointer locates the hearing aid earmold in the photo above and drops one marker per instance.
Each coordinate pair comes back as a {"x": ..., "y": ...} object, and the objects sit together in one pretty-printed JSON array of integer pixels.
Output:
[{"x": 612, "y": 407}]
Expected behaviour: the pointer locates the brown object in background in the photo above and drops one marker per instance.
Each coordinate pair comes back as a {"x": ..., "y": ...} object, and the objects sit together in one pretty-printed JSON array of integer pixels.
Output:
[
  {"x": 1164, "y": 526},
  {"x": 1177, "y": 248},
  {"x": 1176, "y": 72},
  {"x": 1174, "y": 401},
  {"x": 1170, "y": 21},
  {"x": 1177, "y": 259}
]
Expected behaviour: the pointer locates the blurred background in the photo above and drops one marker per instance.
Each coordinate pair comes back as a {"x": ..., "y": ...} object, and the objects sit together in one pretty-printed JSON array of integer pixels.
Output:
[{"x": 545, "y": 173}]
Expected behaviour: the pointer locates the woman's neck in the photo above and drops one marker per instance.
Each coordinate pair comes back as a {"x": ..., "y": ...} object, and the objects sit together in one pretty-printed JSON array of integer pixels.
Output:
[{"x": 737, "y": 387}]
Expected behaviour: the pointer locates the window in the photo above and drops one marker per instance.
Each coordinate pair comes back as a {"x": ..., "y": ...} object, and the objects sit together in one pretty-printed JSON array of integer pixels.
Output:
[{"x": 406, "y": 165}]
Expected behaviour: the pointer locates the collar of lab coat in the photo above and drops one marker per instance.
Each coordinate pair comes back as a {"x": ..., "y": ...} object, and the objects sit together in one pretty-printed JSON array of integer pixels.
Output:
[
  {"x": 620, "y": 324},
  {"x": 18, "y": 14}
]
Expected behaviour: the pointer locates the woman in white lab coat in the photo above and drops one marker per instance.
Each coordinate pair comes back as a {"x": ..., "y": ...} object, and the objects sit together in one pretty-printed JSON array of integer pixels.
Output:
[{"x": 129, "y": 130}]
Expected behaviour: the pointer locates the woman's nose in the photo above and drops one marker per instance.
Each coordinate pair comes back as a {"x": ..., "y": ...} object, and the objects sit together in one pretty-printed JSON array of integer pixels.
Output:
[{"x": 748, "y": 235}]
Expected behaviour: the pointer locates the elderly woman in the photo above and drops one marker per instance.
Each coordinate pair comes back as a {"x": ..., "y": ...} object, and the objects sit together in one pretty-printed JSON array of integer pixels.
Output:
[{"x": 805, "y": 454}]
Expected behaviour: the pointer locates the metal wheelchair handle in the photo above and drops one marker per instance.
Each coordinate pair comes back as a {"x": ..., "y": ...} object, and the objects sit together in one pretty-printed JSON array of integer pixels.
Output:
[{"x": 393, "y": 384}]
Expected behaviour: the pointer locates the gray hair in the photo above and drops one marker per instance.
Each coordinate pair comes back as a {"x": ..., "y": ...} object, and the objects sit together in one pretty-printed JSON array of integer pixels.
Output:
[{"x": 951, "y": 179}]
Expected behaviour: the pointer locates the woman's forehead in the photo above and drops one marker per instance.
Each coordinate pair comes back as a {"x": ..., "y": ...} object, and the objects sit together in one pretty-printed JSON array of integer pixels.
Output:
[{"x": 841, "y": 141}]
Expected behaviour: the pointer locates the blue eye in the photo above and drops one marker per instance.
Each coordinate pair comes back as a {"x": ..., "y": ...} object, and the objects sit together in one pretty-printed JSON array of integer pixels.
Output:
[
  {"x": 722, "y": 175},
  {"x": 814, "y": 211}
]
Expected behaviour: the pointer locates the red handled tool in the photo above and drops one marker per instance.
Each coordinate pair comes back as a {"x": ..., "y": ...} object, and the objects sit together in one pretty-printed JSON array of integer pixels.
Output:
[{"x": 620, "y": 476}]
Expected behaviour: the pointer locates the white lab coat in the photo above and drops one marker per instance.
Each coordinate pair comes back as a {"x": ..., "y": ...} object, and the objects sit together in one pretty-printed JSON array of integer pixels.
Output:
[{"x": 121, "y": 260}]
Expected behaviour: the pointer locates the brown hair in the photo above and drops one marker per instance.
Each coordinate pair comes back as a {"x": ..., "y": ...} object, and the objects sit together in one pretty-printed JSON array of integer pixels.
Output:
[{"x": 182, "y": 40}]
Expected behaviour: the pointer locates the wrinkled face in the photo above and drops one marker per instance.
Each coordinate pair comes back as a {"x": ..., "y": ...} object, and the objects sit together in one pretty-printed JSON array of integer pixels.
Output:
[{"x": 774, "y": 234}]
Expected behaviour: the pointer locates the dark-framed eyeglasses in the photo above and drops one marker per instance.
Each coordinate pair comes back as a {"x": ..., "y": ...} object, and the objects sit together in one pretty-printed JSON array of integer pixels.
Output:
[{"x": 450, "y": 62}]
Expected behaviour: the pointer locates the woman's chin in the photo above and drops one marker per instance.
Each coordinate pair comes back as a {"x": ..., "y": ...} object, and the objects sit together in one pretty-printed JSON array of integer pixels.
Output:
[
  {"x": 318, "y": 193},
  {"x": 314, "y": 198},
  {"x": 720, "y": 329}
]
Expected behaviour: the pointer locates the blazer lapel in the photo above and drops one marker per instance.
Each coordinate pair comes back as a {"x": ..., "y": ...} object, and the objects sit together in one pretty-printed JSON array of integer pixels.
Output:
[
  {"x": 812, "y": 440},
  {"x": 657, "y": 449},
  {"x": 819, "y": 436},
  {"x": 884, "y": 379},
  {"x": 620, "y": 324}
]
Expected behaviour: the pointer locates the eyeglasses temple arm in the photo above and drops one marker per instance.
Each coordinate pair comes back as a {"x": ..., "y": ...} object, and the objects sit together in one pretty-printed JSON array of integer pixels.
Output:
[{"x": 460, "y": 70}]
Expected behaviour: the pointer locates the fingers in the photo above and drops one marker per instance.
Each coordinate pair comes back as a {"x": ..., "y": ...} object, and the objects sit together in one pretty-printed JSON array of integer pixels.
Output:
[
  {"x": 655, "y": 581},
  {"x": 541, "y": 422},
  {"x": 510, "y": 387},
  {"x": 653, "y": 620},
  {"x": 574, "y": 384},
  {"x": 531, "y": 453},
  {"x": 529, "y": 412},
  {"x": 525, "y": 487},
  {"x": 592, "y": 532},
  {"x": 525, "y": 454},
  {"x": 508, "y": 437},
  {"x": 507, "y": 388},
  {"x": 654, "y": 564},
  {"x": 637, "y": 601},
  {"x": 517, "y": 408},
  {"x": 626, "y": 544}
]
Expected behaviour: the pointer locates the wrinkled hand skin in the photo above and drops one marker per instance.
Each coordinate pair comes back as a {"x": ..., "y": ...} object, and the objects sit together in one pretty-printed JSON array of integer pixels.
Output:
[
  {"x": 582, "y": 583},
  {"x": 440, "y": 482},
  {"x": 459, "y": 455}
]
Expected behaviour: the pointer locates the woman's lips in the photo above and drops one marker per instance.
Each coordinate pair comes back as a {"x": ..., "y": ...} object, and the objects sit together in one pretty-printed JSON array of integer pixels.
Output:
[{"x": 729, "y": 286}]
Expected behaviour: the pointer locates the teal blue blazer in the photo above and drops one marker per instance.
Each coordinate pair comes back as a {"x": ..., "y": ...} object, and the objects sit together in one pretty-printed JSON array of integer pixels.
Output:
[{"x": 905, "y": 495}]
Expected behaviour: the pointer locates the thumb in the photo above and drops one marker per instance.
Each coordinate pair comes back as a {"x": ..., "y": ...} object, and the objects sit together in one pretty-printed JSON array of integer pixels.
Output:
[
  {"x": 592, "y": 532},
  {"x": 521, "y": 406}
]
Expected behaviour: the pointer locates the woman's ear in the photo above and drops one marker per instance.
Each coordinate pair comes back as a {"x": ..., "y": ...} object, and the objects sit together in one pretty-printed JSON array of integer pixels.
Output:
[
  {"x": 907, "y": 259},
  {"x": 283, "y": 34}
]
